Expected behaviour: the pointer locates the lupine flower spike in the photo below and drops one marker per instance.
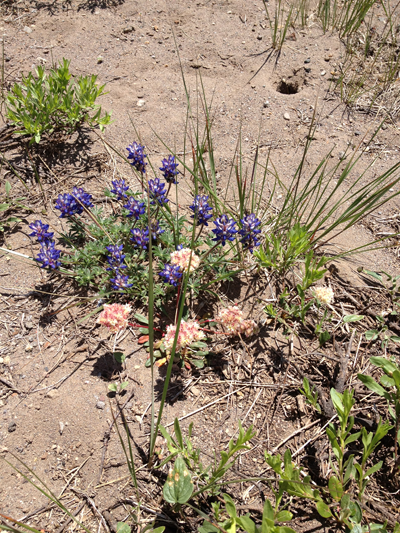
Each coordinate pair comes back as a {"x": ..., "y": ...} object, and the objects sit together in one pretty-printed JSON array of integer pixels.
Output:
[
  {"x": 171, "y": 274},
  {"x": 83, "y": 198},
  {"x": 68, "y": 206},
  {"x": 120, "y": 282},
  {"x": 136, "y": 153},
  {"x": 116, "y": 257},
  {"x": 140, "y": 237},
  {"x": 115, "y": 317},
  {"x": 250, "y": 231},
  {"x": 49, "y": 256},
  {"x": 119, "y": 188},
  {"x": 40, "y": 231},
  {"x": 201, "y": 210},
  {"x": 157, "y": 191},
  {"x": 168, "y": 169},
  {"x": 135, "y": 208},
  {"x": 225, "y": 229}
]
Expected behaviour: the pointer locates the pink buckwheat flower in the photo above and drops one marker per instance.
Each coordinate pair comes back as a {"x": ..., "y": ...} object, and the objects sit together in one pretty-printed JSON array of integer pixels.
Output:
[
  {"x": 181, "y": 258},
  {"x": 115, "y": 317},
  {"x": 324, "y": 294},
  {"x": 234, "y": 323},
  {"x": 188, "y": 332}
]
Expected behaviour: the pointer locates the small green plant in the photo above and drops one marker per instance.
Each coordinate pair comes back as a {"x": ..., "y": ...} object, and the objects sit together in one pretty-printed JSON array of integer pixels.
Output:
[
  {"x": 118, "y": 388},
  {"x": 311, "y": 395},
  {"x": 54, "y": 102},
  {"x": 346, "y": 17},
  {"x": 280, "y": 23},
  {"x": 389, "y": 388},
  {"x": 8, "y": 205}
]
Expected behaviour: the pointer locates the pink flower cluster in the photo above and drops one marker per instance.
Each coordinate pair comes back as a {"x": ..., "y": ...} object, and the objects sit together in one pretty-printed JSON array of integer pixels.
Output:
[
  {"x": 188, "y": 332},
  {"x": 115, "y": 317},
  {"x": 234, "y": 323},
  {"x": 181, "y": 258}
]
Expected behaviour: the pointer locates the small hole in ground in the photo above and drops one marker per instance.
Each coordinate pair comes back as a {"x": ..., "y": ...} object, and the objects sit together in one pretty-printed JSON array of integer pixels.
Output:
[{"x": 288, "y": 87}]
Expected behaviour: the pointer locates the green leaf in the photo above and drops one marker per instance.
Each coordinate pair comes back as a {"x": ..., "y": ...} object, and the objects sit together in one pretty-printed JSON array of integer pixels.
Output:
[
  {"x": 113, "y": 387},
  {"x": 284, "y": 516},
  {"x": 122, "y": 527},
  {"x": 4, "y": 207},
  {"x": 7, "y": 187},
  {"x": 335, "y": 488},
  {"x": 352, "y": 318},
  {"x": 371, "y": 384},
  {"x": 374, "y": 469},
  {"x": 178, "y": 433},
  {"x": 123, "y": 385},
  {"x": 230, "y": 506},
  {"x": 395, "y": 338},
  {"x": 371, "y": 334},
  {"x": 179, "y": 485},
  {"x": 323, "y": 509},
  {"x": 141, "y": 318},
  {"x": 119, "y": 357}
]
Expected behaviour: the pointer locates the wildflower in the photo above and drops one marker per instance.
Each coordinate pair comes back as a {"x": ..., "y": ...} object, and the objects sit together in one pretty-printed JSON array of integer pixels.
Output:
[
  {"x": 83, "y": 197},
  {"x": 155, "y": 229},
  {"x": 225, "y": 229},
  {"x": 140, "y": 237},
  {"x": 324, "y": 294},
  {"x": 137, "y": 155},
  {"x": 189, "y": 332},
  {"x": 249, "y": 231},
  {"x": 182, "y": 257},
  {"x": 135, "y": 208},
  {"x": 234, "y": 323},
  {"x": 157, "y": 191},
  {"x": 169, "y": 169},
  {"x": 116, "y": 258},
  {"x": 40, "y": 231},
  {"x": 115, "y": 317},
  {"x": 200, "y": 209},
  {"x": 120, "y": 282},
  {"x": 119, "y": 188},
  {"x": 68, "y": 206},
  {"x": 48, "y": 255},
  {"x": 171, "y": 274}
]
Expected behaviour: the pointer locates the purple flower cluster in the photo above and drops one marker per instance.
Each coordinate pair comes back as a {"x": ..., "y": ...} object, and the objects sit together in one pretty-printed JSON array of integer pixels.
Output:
[
  {"x": 171, "y": 274},
  {"x": 40, "y": 231},
  {"x": 48, "y": 255},
  {"x": 157, "y": 192},
  {"x": 201, "y": 210},
  {"x": 250, "y": 231},
  {"x": 136, "y": 153},
  {"x": 225, "y": 229},
  {"x": 156, "y": 230},
  {"x": 168, "y": 169},
  {"x": 73, "y": 204},
  {"x": 119, "y": 188},
  {"x": 116, "y": 262},
  {"x": 135, "y": 208},
  {"x": 140, "y": 238}
]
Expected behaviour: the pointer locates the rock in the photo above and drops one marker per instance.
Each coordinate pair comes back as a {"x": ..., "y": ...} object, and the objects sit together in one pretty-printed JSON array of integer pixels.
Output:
[
  {"x": 100, "y": 405},
  {"x": 27, "y": 29},
  {"x": 308, "y": 70},
  {"x": 61, "y": 426},
  {"x": 28, "y": 348},
  {"x": 384, "y": 126},
  {"x": 100, "y": 60},
  {"x": 53, "y": 393},
  {"x": 140, "y": 103},
  {"x": 308, "y": 60},
  {"x": 259, "y": 37},
  {"x": 266, "y": 103},
  {"x": 342, "y": 156},
  {"x": 195, "y": 391},
  {"x": 12, "y": 426},
  {"x": 128, "y": 29},
  {"x": 327, "y": 58},
  {"x": 29, "y": 325},
  {"x": 323, "y": 72},
  {"x": 357, "y": 133},
  {"x": 286, "y": 116}
]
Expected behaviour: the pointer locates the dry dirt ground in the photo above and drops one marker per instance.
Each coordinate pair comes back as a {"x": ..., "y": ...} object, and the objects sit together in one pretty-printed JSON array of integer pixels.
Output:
[{"x": 55, "y": 412}]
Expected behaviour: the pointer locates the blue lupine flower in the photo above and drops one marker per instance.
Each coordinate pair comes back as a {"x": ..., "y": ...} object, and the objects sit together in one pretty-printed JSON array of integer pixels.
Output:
[
  {"x": 82, "y": 196},
  {"x": 68, "y": 206},
  {"x": 120, "y": 282},
  {"x": 200, "y": 209},
  {"x": 155, "y": 229},
  {"x": 140, "y": 237},
  {"x": 119, "y": 188},
  {"x": 116, "y": 258},
  {"x": 169, "y": 169},
  {"x": 249, "y": 231},
  {"x": 135, "y": 208},
  {"x": 40, "y": 231},
  {"x": 171, "y": 274},
  {"x": 137, "y": 155},
  {"x": 48, "y": 255},
  {"x": 225, "y": 229},
  {"x": 157, "y": 191}
]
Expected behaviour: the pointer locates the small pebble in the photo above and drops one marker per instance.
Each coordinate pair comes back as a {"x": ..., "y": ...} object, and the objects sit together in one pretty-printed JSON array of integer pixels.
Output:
[
  {"x": 357, "y": 133},
  {"x": 323, "y": 72},
  {"x": 53, "y": 393},
  {"x": 61, "y": 426},
  {"x": 12, "y": 426},
  {"x": 266, "y": 103},
  {"x": 27, "y": 29},
  {"x": 140, "y": 103},
  {"x": 128, "y": 29},
  {"x": 342, "y": 156},
  {"x": 100, "y": 59},
  {"x": 286, "y": 116},
  {"x": 308, "y": 70},
  {"x": 100, "y": 405},
  {"x": 28, "y": 348},
  {"x": 308, "y": 60}
]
